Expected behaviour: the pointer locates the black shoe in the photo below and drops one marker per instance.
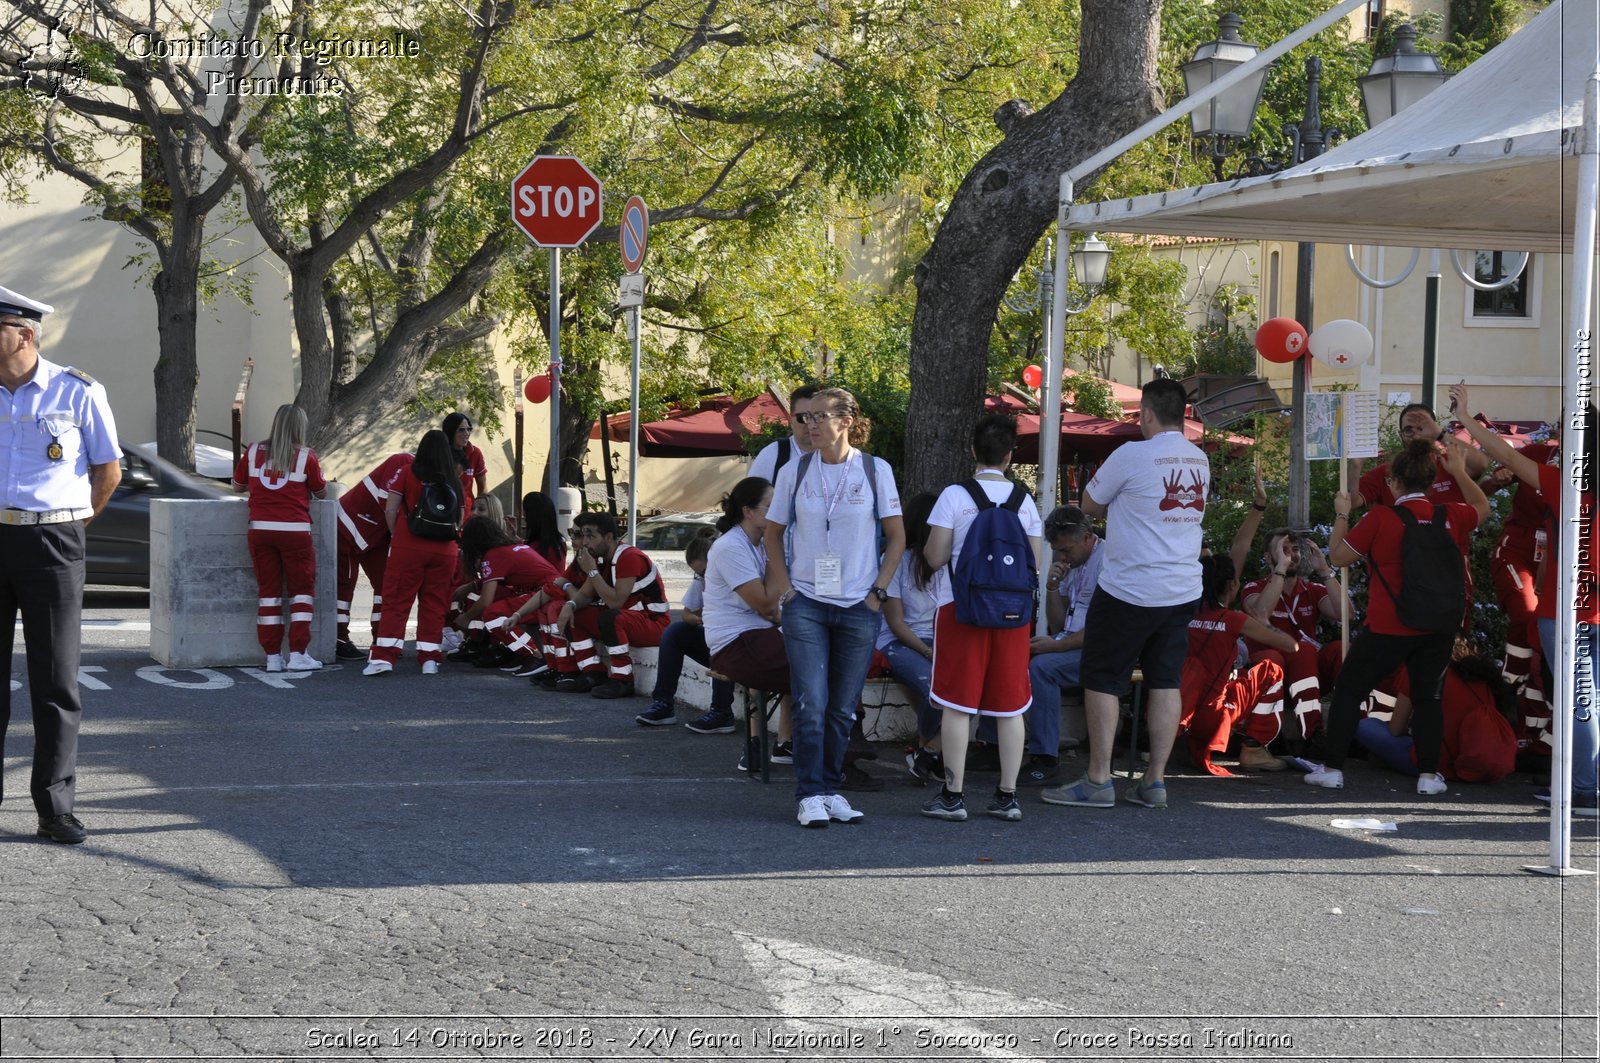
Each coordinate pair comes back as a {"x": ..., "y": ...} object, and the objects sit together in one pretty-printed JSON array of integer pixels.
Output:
[
  {"x": 549, "y": 679},
  {"x": 1040, "y": 771},
  {"x": 659, "y": 714},
  {"x": 494, "y": 657},
  {"x": 65, "y": 829},
  {"x": 712, "y": 722},
  {"x": 531, "y": 669},
  {"x": 925, "y": 766},
  {"x": 612, "y": 689},
  {"x": 575, "y": 683},
  {"x": 464, "y": 653},
  {"x": 345, "y": 650}
]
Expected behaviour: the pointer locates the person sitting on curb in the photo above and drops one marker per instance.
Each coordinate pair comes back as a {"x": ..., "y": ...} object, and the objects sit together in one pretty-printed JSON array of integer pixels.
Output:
[
  {"x": 687, "y": 638},
  {"x": 508, "y": 571}
]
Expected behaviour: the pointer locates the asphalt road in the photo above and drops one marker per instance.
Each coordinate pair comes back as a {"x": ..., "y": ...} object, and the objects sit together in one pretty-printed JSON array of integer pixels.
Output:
[{"x": 334, "y": 866}]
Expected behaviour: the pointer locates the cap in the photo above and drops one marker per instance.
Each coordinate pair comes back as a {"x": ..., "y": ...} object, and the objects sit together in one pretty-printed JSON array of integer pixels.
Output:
[{"x": 20, "y": 305}]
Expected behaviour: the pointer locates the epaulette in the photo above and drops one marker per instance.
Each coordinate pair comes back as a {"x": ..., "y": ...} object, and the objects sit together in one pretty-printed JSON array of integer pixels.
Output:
[{"x": 81, "y": 375}]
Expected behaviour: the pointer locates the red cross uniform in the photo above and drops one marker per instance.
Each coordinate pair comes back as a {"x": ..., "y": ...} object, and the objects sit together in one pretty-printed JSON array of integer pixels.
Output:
[
  {"x": 280, "y": 542},
  {"x": 640, "y": 621},
  {"x": 364, "y": 539},
  {"x": 1217, "y": 697}
]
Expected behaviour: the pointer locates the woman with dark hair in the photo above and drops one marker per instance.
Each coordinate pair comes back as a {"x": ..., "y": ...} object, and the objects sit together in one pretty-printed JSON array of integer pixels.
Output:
[
  {"x": 541, "y": 530},
  {"x": 508, "y": 572},
  {"x": 1387, "y": 643},
  {"x": 907, "y": 637},
  {"x": 457, "y": 428},
  {"x": 421, "y": 570}
]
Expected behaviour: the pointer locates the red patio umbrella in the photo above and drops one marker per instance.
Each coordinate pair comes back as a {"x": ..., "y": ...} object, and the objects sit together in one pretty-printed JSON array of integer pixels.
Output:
[{"x": 717, "y": 429}]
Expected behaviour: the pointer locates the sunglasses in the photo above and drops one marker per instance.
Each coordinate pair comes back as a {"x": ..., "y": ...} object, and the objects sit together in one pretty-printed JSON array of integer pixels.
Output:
[{"x": 820, "y": 417}]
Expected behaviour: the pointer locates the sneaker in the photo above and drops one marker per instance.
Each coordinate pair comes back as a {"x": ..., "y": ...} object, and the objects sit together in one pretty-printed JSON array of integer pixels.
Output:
[
  {"x": 345, "y": 650},
  {"x": 549, "y": 679},
  {"x": 1259, "y": 758},
  {"x": 925, "y": 765},
  {"x": 781, "y": 753},
  {"x": 494, "y": 657},
  {"x": 940, "y": 806},
  {"x": 1587, "y": 806},
  {"x": 575, "y": 683},
  {"x": 303, "y": 662},
  {"x": 612, "y": 689},
  {"x": 1040, "y": 771},
  {"x": 1329, "y": 778},
  {"x": 430, "y": 667},
  {"x": 464, "y": 653},
  {"x": 531, "y": 668},
  {"x": 1004, "y": 806},
  {"x": 1082, "y": 794},
  {"x": 275, "y": 662},
  {"x": 377, "y": 668},
  {"x": 750, "y": 761},
  {"x": 659, "y": 714},
  {"x": 1542, "y": 795},
  {"x": 1150, "y": 795},
  {"x": 813, "y": 812},
  {"x": 839, "y": 810},
  {"x": 1430, "y": 783},
  {"x": 712, "y": 722}
]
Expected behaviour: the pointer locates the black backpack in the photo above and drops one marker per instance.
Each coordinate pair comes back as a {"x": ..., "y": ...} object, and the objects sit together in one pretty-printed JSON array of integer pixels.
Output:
[
  {"x": 437, "y": 513},
  {"x": 1433, "y": 582}
]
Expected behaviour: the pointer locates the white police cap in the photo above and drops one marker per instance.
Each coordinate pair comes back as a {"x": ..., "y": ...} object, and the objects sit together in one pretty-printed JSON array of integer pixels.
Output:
[{"x": 21, "y": 306}]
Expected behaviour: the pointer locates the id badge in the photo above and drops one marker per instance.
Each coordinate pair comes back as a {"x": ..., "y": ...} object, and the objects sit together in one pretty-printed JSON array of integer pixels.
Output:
[
  {"x": 829, "y": 576},
  {"x": 1540, "y": 541}
]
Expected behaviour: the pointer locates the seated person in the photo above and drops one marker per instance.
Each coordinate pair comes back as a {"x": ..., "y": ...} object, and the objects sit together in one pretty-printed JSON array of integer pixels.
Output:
[
  {"x": 906, "y": 640},
  {"x": 1217, "y": 695},
  {"x": 508, "y": 572},
  {"x": 1480, "y": 744},
  {"x": 614, "y": 593},
  {"x": 470, "y": 642},
  {"x": 1295, "y": 606},
  {"x": 687, "y": 638}
]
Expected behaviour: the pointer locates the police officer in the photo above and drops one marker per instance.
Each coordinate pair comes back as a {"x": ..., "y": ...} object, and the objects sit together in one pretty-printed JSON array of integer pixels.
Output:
[{"x": 58, "y": 466}]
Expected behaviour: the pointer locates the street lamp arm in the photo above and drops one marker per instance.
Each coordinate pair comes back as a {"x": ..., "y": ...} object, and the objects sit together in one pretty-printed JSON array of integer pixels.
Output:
[{"x": 1350, "y": 260}]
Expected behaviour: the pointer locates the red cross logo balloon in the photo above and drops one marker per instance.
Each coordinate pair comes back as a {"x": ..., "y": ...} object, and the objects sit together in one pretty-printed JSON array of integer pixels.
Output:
[{"x": 1343, "y": 344}]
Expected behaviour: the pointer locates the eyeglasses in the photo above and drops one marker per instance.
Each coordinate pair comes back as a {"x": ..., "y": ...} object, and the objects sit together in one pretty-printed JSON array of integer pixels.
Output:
[{"x": 819, "y": 417}]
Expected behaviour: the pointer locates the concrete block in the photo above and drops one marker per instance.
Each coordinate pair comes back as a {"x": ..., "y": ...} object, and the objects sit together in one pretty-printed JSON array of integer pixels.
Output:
[{"x": 203, "y": 585}]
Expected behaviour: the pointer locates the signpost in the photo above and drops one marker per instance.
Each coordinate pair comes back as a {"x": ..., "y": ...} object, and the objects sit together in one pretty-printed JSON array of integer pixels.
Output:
[
  {"x": 557, "y": 203},
  {"x": 633, "y": 237}
]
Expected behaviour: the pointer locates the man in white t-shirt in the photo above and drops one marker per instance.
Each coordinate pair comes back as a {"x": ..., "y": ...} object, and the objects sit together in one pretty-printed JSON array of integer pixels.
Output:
[
  {"x": 978, "y": 670},
  {"x": 775, "y": 455},
  {"x": 1153, "y": 496}
]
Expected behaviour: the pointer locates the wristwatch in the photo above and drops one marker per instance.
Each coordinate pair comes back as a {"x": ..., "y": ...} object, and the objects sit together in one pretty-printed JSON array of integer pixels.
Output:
[{"x": 880, "y": 594}]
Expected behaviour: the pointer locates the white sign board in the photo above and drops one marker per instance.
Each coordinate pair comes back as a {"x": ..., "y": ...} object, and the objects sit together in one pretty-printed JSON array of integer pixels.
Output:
[
  {"x": 1341, "y": 424},
  {"x": 631, "y": 291}
]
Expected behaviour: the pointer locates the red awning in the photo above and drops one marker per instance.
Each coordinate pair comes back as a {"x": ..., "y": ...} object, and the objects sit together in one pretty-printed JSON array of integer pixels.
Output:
[{"x": 717, "y": 429}]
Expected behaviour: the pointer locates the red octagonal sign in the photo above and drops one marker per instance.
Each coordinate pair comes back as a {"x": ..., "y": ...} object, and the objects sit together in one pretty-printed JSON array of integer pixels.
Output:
[{"x": 556, "y": 201}]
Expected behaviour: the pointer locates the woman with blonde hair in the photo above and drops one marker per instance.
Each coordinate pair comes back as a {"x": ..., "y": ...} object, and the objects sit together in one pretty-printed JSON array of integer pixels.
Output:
[{"x": 282, "y": 475}]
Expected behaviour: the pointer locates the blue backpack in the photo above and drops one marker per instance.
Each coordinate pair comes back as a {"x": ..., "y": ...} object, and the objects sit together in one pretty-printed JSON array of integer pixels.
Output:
[{"x": 995, "y": 578}]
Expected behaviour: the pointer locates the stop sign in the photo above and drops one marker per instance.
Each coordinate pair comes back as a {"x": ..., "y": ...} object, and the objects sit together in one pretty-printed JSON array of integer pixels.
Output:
[{"x": 556, "y": 201}]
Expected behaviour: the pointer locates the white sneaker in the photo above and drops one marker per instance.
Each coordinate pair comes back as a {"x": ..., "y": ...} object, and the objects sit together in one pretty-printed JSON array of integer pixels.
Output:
[
  {"x": 1431, "y": 783},
  {"x": 814, "y": 812},
  {"x": 839, "y": 810},
  {"x": 1330, "y": 778},
  {"x": 303, "y": 662},
  {"x": 275, "y": 662},
  {"x": 377, "y": 668},
  {"x": 430, "y": 667}
]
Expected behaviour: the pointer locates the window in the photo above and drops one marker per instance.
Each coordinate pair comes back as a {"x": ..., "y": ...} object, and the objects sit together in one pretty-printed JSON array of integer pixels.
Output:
[
  {"x": 1515, "y": 305},
  {"x": 1374, "y": 18}
]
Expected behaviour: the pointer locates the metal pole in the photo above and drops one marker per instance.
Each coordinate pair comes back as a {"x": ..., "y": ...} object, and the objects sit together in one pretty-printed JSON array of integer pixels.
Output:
[
  {"x": 1055, "y": 360},
  {"x": 633, "y": 431},
  {"x": 520, "y": 416},
  {"x": 1308, "y": 146},
  {"x": 1430, "y": 335},
  {"x": 555, "y": 377}
]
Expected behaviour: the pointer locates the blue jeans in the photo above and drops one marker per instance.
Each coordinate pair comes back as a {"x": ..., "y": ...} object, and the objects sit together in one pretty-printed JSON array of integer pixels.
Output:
[
  {"x": 1391, "y": 750},
  {"x": 1048, "y": 673},
  {"x": 1585, "y": 724},
  {"x": 915, "y": 672},
  {"x": 682, "y": 640},
  {"x": 830, "y": 651}
]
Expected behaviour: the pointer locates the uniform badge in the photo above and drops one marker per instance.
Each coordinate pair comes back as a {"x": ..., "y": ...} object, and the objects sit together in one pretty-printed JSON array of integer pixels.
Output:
[{"x": 54, "y": 451}]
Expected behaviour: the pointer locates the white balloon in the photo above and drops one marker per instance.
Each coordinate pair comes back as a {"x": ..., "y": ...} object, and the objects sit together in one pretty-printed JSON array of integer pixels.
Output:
[{"x": 1343, "y": 344}]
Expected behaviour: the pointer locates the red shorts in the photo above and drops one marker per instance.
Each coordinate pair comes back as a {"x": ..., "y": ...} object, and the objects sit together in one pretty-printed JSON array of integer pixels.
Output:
[{"x": 979, "y": 669}]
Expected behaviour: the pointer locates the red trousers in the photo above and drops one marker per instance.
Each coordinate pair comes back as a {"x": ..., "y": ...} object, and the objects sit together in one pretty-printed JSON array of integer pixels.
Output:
[
  {"x": 283, "y": 558},
  {"x": 1306, "y": 671},
  {"x": 353, "y": 561},
  {"x": 1516, "y": 588},
  {"x": 621, "y": 629},
  {"x": 423, "y": 577},
  {"x": 1253, "y": 698}
]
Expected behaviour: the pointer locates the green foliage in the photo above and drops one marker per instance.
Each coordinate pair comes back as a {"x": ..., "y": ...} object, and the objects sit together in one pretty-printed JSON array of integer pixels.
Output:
[{"x": 1225, "y": 343}]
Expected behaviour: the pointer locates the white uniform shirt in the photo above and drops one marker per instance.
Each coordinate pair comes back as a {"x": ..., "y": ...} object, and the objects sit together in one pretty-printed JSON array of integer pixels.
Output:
[
  {"x": 956, "y": 510},
  {"x": 1077, "y": 587},
  {"x": 1155, "y": 494},
  {"x": 765, "y": 464},
  {"x": 917, "y": 603},
  {"x": 694, "y": 598},
  {"x": 734, "y": 561},
  {"x": 55, "y": 413},
  {"x": 850, "y": 533}
]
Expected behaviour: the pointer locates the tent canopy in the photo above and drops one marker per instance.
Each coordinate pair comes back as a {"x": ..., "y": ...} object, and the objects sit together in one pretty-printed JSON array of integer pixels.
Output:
[{"x": 1488, "y": 161}]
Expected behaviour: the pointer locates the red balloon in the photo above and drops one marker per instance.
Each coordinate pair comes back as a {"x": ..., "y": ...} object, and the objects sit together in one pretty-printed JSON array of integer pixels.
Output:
[
  {"x": 1281, "y": 339},
  {"x": 537, "y": 388},
  {"x": 1031, "y": 375}
]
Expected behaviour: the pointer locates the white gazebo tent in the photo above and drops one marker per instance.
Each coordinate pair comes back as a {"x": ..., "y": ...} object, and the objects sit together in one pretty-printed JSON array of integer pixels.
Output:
[{"x": 1503, "y": 157}]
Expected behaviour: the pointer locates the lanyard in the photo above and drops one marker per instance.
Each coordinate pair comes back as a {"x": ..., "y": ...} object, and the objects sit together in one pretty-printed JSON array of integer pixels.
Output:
[{"x": 844, "y": 478}]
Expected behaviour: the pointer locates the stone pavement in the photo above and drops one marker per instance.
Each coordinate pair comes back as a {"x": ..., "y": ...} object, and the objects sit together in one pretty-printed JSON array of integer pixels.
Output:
[{"x": 461, "y": 867}]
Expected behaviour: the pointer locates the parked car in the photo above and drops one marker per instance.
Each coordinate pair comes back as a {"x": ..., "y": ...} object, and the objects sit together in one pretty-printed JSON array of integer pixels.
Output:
[
  {"x": 118, "y": 546},
  {"x": 667, "y": 535}
]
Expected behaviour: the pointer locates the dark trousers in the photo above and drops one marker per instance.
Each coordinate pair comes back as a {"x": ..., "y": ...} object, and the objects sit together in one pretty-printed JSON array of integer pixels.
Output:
[
  {"x": 680, "y": 640},
  {"x": 41, "y": 576},
  {"x": 1373, "y": 658}
]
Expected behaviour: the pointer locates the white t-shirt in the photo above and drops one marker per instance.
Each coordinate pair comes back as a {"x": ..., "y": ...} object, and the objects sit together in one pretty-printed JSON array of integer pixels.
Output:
[
  {"x": 850, "y": 533},
  {"x": 1077, "y": 587},
  {"x": 1155, "y": 494},
  {"x": 734, "y": 561},
  {"x": 694, "y": 598},
  {"x": 956, "y": 510},
  {"x": 917, "y": 603},
  {"x": 765, "y": 464}
]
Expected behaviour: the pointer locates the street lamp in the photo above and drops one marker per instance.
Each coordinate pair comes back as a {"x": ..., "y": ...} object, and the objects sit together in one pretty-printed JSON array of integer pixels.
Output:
[
  {"x": 1229, "y": 115},
  {"x": 1397, "y": 81}
]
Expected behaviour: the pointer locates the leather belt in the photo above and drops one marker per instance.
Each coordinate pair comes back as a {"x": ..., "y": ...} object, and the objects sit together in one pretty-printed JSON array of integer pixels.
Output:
[{"x": 49, "y": 516}]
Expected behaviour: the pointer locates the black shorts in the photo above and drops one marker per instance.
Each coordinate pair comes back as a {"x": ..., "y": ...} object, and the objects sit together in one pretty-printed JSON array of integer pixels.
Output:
[{"x": 1118, "y": 634}]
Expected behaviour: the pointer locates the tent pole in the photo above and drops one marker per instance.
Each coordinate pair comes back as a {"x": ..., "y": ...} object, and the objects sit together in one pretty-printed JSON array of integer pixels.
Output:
[
  {"x": 1054, "y": 366},
  {"x": 1430, "y": 335}
]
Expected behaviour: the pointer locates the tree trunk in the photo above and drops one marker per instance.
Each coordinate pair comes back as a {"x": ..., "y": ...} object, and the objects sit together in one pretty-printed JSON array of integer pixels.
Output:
[
  {"x": 997, "y": 216},
  {"x": 177, "y": 372}
]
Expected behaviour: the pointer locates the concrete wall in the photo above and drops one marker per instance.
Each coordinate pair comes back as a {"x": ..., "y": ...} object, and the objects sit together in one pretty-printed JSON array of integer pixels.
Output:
[{"x": 203, "y": 587}]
